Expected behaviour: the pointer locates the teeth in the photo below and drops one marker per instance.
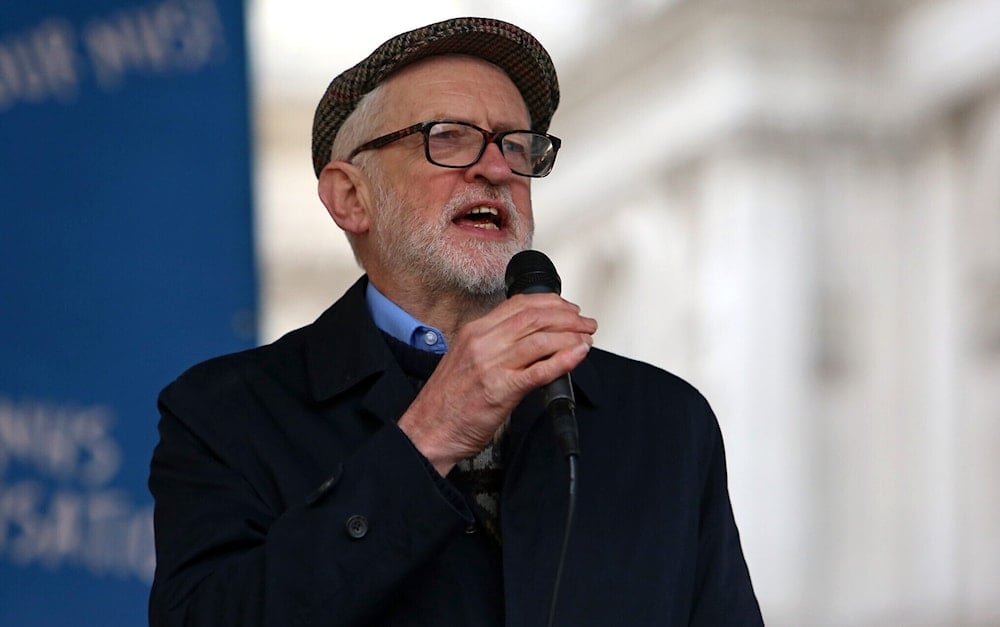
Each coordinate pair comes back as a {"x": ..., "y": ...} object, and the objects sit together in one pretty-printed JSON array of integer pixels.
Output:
[{"x": 484, "y": 211}]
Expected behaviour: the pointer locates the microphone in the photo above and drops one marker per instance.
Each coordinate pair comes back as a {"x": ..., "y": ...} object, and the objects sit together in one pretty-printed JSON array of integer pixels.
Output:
[{"x": 531, "y": 272}]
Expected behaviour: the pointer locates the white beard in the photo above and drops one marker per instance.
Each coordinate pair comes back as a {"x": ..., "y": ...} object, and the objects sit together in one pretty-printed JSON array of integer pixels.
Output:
[{"x": 406, "y": 244}]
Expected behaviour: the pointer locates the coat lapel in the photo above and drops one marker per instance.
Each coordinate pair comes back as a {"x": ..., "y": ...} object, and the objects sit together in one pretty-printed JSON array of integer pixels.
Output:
[{"x": 346, "y": 349}]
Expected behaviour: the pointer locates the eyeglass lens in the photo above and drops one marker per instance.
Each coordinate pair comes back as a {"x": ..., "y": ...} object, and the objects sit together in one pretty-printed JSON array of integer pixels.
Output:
[{"x": 458, "y": 145}]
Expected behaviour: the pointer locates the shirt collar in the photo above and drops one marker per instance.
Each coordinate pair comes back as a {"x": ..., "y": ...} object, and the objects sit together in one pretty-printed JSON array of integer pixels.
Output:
[{"x": 392, "y": 319}]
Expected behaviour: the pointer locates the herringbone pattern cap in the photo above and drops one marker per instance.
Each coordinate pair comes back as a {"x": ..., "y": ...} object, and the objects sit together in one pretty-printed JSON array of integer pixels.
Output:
[{"x": 510, "y": 48}]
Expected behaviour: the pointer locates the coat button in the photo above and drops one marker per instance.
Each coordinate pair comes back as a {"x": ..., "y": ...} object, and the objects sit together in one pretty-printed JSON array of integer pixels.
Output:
[
  {"x": 357, "y": 526},
  {"x": 471, "y": 529}
]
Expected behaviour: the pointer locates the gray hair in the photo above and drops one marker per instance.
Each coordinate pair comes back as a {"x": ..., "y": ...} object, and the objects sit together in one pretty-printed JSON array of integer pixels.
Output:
[{"x": 360, "y": 127}]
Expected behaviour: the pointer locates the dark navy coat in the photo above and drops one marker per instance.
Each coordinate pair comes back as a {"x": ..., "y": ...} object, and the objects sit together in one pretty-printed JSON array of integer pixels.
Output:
[{"x": 286, "y": 495}]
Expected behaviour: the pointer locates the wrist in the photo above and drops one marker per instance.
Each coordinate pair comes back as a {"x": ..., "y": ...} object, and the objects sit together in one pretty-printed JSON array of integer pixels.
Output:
[{"x": 425, "y": 439}]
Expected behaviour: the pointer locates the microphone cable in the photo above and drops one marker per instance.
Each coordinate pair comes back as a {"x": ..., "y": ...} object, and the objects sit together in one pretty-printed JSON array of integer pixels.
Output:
[{"x": 571, "y": 460}]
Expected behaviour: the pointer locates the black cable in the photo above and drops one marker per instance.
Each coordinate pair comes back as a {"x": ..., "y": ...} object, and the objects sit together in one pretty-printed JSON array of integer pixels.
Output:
[{"x": 570, "y": 509}]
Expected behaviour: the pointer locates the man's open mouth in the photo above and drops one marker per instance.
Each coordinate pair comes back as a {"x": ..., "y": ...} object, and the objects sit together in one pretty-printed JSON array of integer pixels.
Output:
[{"x": 482, "y": 218}]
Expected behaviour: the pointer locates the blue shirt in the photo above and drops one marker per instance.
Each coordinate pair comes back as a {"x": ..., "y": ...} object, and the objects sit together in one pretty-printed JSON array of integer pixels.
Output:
[{"x": 392, "y": 319}]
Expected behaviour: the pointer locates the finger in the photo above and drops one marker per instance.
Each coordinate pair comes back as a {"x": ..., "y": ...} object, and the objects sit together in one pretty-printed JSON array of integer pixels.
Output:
[
  {"x": 498, "y": 331},
  {"x": 550, "y": 316},
  {"x": 548, "y": 369},
  {"x": 542, "y": 345}
]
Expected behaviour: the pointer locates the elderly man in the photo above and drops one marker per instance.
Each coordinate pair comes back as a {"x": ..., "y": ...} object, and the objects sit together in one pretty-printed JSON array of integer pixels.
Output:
[{"x": 387, "y": 464}]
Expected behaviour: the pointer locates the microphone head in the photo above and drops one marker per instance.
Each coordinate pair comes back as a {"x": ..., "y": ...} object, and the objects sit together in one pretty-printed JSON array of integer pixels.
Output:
[{"x": 531, "y": 272}]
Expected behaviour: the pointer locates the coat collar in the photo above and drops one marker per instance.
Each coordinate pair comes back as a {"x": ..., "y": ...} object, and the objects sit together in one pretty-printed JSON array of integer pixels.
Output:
[{"x": 344, "y": 347}]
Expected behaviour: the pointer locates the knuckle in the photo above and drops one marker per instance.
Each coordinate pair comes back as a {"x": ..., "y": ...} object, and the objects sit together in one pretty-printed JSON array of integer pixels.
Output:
[
  {"x": 527, "y": 318},
  {"x": 538, "y": 344}
]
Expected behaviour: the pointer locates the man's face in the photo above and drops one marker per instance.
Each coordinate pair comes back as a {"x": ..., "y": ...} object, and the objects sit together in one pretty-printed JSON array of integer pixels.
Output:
[{"x": 438, "y": 228}]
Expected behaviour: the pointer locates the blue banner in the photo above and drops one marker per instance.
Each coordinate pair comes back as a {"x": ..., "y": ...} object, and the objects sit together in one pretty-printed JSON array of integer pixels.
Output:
[{"x": 126, "y": 255}]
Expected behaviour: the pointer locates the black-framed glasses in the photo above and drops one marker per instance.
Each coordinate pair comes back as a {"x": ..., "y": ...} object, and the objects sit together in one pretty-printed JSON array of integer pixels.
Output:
[{"x": 454, "y": 144}]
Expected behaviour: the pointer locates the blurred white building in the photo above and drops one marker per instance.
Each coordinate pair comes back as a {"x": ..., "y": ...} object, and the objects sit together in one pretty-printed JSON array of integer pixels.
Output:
[{"x": 794, "y": 204}]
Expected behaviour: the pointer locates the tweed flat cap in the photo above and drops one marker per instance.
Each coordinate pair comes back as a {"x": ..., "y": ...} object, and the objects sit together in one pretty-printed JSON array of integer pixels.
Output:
[{"x": 510, "y": 48}]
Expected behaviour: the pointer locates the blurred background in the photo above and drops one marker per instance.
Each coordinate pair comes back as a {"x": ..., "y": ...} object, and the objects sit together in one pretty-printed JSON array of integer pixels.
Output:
[{"x": 793, "y": 204}]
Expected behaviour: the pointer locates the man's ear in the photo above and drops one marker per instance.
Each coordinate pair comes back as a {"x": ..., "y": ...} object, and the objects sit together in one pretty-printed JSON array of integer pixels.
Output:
[{"x": 345, "y": 192}]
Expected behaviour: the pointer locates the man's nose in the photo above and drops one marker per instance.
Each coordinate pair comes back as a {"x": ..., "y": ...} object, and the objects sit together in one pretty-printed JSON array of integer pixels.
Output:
[{"x": 492, "y": 166}]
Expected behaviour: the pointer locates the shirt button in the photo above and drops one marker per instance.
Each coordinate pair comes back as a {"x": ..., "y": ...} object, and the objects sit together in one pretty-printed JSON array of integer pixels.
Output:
[
  {"x": 430, "y": 338},
  {"x": 357, "y": 526}
]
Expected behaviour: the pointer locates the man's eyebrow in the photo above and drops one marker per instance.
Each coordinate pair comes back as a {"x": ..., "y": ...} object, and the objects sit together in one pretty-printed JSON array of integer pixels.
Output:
[
  {"x": 497, "y": 128},
  {"x": 511, "y": 127}
]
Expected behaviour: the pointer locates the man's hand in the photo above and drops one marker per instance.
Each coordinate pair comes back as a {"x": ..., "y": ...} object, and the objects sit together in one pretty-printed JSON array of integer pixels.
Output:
[{"x": 523, "y": 344}]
